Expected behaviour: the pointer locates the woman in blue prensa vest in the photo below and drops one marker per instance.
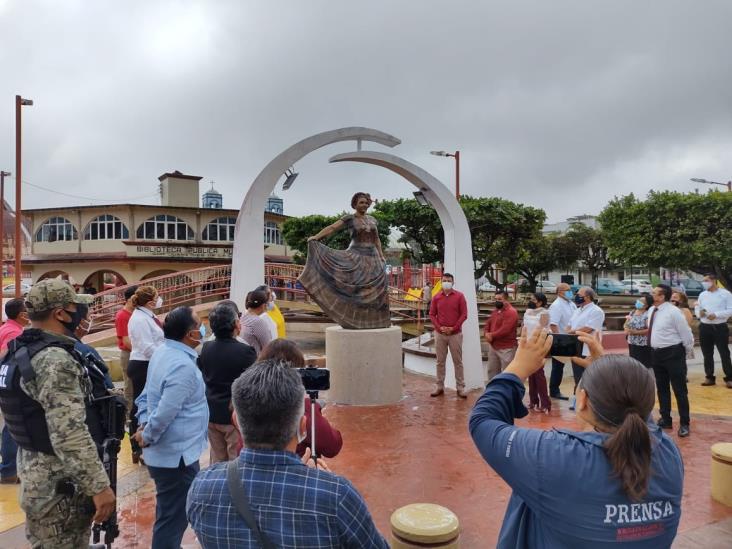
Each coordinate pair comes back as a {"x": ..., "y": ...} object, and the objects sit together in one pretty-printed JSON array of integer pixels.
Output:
[{"x": 619, "y": 483}]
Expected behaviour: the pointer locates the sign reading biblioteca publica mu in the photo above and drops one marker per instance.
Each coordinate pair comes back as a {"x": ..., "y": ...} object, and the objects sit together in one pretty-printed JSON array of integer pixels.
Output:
[{"x": 192, "y": 251}]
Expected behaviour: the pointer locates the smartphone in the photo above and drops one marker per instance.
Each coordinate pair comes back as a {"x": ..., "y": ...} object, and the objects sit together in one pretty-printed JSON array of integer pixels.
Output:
[
  {"x": 315, "y": 379},
  {"x": 565, "y": 345}
]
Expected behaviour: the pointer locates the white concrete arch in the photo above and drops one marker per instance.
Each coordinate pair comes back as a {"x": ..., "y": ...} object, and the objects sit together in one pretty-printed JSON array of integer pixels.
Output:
[
  {"x": 247, "y": 268},
  {"x": 458, "y": 249}
]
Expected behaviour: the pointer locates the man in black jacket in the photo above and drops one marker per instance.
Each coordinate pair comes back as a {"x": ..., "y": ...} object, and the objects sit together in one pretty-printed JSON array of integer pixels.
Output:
[{"x": 223, "y": 360}]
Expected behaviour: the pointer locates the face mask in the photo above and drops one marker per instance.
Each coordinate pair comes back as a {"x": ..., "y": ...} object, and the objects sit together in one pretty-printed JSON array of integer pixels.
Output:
[
  {"x": 73, "y": 324},
  {"x": 447, "y": 285},
  {"x": 579, "y": 300},
  {"x": 274, "y": 297},
  {"x": 158, "y": 302},
  {"x": 639, "y": 304},
  {"x": 499, "y": 304},
  {"x": 568, "y": 295},
  {"x": 270, "y": 305},
  {"x": 706, "y": 284},
  {"x": 531, "y": 305},
  {"x": 202, "y": 331}
]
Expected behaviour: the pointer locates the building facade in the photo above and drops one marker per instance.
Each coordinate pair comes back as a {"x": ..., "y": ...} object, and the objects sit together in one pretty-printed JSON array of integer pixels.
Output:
[{"x": 103, "y": 246}]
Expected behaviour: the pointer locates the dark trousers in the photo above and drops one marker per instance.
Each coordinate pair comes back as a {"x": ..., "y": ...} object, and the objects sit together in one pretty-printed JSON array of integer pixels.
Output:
[
  {"x": 577, "y": 372},
  {"x": 715, "y": 335},
  {"x": 555, "y": 378},
  {"x": 137, "y": 374},
  {"x": 171, "y": 490},
  {"x": 642, "y": 353},
  {"x": 8, "y": 453},
  {"x": 669, "y": 367}
]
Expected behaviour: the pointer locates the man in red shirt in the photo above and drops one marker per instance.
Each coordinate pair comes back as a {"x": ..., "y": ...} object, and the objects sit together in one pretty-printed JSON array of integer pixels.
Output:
[
  {"x": 17, "y": 321},
  {"x": 448, "y": 311},
  {"x": 500, "y": 333},
  {"x": 121, "y": 320}
]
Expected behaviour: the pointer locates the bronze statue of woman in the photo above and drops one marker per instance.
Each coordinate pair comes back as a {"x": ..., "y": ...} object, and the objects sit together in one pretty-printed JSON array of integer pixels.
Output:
[{"x": 350, "y": 285}]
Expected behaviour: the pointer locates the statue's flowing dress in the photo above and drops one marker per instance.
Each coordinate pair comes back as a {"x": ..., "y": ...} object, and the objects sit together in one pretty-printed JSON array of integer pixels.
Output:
[{"x": 350, "y": 286}]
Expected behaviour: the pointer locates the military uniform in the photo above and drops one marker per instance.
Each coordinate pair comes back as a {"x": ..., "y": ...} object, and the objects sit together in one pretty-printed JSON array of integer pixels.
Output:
[{"x": 55, "y": 517}]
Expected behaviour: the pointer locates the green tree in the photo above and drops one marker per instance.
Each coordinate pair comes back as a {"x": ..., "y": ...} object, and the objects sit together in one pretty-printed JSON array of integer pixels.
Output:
[
  {"x": 297, "y": 230},
  {"x": 542, "y": 254},
  {"x": 589, "y": 245},
  {"x": 500, "y": 229},
  {"x": 420, "y": 228},
  {"x": 670, "y": 229}
]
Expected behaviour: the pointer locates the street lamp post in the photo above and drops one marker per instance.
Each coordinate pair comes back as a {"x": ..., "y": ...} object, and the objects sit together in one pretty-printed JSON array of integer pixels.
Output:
[
  {"x": 456, "y": 156},
  {"x": 728, "y": 184},
  {"x": 3, "y": 175},
  {"x": 19, "y": 102}
]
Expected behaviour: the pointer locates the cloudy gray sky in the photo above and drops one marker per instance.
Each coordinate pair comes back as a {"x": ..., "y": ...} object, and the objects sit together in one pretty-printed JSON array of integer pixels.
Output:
[{"x": 556, "y": 104}]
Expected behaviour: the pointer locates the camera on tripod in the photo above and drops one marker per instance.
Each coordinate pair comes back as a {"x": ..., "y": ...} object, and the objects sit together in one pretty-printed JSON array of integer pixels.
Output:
[{"x": 315, "y": 379}]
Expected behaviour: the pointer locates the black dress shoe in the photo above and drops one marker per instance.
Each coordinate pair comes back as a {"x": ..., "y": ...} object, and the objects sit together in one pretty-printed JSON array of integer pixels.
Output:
[
  {"x": 559, "y": 396},
  {"x": 708, "y": 382},
  {"x": 665, "y": 423},
  {"x": 684, "y": 431}
]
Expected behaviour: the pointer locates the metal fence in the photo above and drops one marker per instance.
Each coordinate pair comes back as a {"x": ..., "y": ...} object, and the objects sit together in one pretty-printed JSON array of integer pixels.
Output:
[{"x": 208, "y": 284}]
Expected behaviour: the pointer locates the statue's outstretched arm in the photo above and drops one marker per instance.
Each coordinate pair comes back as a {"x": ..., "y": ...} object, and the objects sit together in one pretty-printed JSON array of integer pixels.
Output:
[{"x": 330, "y": 229}]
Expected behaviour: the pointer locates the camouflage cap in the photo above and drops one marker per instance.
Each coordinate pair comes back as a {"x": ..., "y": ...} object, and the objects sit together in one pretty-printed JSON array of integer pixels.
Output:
[{"x": 51, "y": 294}]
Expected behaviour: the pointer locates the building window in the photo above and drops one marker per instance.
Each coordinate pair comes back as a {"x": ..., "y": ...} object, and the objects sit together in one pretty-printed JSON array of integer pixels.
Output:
[
  {"x": 106, "y": 227},
  {"x": 165, "y": 227},
  {"x": 272, "y": 233},
  {"x": 56, "y": 228},
  {"x": 220, "y": 229}
]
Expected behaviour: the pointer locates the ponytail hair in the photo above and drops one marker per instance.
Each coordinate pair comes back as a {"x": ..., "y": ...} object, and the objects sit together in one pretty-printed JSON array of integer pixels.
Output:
[
  {"x": 621, "y": 393},
  {"x": 144, "y": 295},
  {"x": 629, "y": 452}
]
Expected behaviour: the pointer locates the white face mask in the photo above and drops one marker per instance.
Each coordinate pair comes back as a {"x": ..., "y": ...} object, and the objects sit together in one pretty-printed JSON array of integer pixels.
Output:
[
  {"x": 274, "y": 296},
  {"x": 706, "y": 284},
  {"x": 447, "y": 285},
  {"x": 158, "y": 302}
]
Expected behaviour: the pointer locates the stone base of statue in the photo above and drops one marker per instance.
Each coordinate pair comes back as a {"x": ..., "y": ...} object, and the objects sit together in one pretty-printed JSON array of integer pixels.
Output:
[{"x": 365, "y": 365}]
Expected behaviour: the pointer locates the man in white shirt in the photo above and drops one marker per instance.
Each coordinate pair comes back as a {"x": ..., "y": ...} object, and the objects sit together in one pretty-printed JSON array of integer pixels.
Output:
[
  {"x": 713, "y": 309},
  {"x": 670, "y": 339},
  {"x": 560, "y": 314},
  {"x": 588, "y": 318}
]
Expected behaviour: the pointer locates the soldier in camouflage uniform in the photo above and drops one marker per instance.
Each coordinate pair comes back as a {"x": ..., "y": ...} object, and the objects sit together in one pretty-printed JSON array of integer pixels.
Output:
[{"x": 60, "y": 490}]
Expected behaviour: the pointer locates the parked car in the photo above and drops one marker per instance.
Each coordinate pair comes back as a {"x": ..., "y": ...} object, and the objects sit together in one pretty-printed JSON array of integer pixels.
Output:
[
  {"x": 691, "y": 287},
  {"x": 546, "y": 287},
  {"x": 610, "y": 286},
  {"x": 637, "y": 286},
  {"x": 9, "y": 290}
]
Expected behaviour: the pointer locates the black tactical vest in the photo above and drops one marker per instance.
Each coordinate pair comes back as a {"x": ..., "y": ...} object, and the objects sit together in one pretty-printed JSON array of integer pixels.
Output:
[{"x": 24, "y": 416}]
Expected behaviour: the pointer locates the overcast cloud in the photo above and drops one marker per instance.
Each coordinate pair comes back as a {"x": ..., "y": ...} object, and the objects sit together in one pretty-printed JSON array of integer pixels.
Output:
[{"x": 556, "y": 104}]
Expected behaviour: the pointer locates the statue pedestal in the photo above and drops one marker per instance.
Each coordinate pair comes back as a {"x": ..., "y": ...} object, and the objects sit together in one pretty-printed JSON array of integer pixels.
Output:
[{"x": 365, "y": 365}]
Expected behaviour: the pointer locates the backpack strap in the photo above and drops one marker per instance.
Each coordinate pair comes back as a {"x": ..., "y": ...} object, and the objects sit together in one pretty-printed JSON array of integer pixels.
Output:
[{"x": 239, "y": 498}]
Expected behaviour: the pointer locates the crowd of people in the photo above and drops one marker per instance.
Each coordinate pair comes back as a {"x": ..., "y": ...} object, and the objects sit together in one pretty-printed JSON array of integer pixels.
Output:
[
  {"x": 238, "y": 391},
  {"x": 659, "y": 335}
]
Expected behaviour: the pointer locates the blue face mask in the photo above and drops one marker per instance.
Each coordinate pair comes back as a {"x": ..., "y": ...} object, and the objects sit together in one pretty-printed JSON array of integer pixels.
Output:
[
  {"x": 568, "y": 295},
  {"x": 639, "y": 304},
  {"x": 579, "y": 300},
  {"x": 202, "y": 331}
]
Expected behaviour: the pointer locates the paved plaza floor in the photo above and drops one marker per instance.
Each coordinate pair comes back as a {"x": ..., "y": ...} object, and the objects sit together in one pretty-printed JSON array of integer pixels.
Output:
[{"x": 419, "y": 450}]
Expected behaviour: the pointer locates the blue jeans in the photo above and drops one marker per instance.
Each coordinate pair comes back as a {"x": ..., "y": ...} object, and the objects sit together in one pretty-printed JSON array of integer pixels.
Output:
[
  {"x": 8, "y": 452},
  {"x": 171, "y": 487}
]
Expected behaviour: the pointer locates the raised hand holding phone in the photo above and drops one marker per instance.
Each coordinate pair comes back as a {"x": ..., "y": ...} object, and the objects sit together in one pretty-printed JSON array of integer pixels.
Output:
[{"x": 530, "y": 354}]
